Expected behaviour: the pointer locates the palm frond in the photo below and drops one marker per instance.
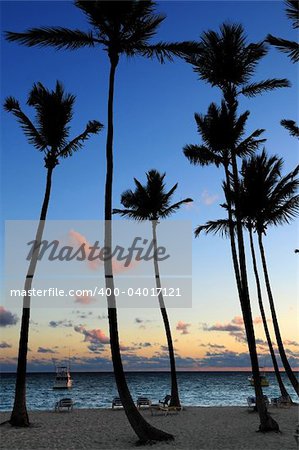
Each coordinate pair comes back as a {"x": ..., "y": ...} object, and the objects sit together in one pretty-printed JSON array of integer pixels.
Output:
[
  {"x": 171, "y": 209},
  {"x": 201, "y": 155},
  {"x": 220, "y": 226},
  {"x": 32, "y": 134},
  {"x": 291, "y": 48},
  {"x": 92, "y": 127},
  {"x": 249, "y": 145},
  {"x": 292, "y": 10},
  {"x": 165, "y": 51},
  {"x": 285, "y": 213},
  {"x": 291, "y": 126},
  {"x": 58, "y": 37},
  {"x": 253, "y": 89}
]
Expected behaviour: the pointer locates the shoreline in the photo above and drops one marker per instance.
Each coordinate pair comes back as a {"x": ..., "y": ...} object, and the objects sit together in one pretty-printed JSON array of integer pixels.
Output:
[{"x": 226, "y": 427}]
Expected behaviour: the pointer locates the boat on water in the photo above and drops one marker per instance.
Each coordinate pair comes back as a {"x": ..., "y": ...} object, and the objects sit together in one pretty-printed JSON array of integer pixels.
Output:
[
  {"x": 63, "y": 378},
  {"x": 263, "y": 378}
]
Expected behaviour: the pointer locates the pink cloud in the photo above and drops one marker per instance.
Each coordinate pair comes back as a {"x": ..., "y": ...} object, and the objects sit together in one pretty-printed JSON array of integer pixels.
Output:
[
  {"x": 96, "y": 336},
  {"x": 79, "y": 239},
  {"x": 238, "y": 320},
  {"x": 183, "y": 327},
  {"x": 117, "y": 266},
  {"x": 208, "y": 199},
  {"x": 84, "y": 299}
]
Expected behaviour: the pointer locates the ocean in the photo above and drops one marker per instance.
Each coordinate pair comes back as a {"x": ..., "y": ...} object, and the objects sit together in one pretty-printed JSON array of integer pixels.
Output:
[{"x": 97, "y": 389}]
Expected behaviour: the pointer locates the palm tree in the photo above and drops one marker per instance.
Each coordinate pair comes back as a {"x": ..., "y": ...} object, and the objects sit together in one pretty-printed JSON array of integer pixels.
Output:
[
  {"x": 152, "y": 202},
  {"x": 225, "y": 60},
  {"x": 221, "y": 226},
  {"x": 219, "y": 130},
  {"x": 50, "y": 135},
  {"x": 291, "y": 48},
  {"x": 119, "y": 28},
  {"x": 270, "y": 200}
]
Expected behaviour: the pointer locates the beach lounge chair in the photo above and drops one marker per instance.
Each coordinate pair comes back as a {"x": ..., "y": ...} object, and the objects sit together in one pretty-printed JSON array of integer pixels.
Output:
[
  {"x": 164, "y": 408},
  {"x": 281, "y": 402},
  {"x": 251, "y": 402},
  {"x": 66, "y": 403},
  {"x": 116, "y": 402},
  {"x": 143, "y": 401}
]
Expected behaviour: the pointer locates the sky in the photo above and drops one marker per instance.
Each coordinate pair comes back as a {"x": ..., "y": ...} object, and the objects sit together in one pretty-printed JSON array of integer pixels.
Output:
[{"x": 154, "y": 119}]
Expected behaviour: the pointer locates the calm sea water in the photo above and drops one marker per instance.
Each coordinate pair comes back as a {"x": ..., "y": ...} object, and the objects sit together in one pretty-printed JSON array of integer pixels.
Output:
[{"x": 96, "y": 390}]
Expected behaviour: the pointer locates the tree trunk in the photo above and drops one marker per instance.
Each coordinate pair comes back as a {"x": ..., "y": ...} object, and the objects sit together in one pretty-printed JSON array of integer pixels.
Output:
[
  {"x": 19, "y": 416},
  {"x": 143, "y": 429},
  {"x": 267, "y": 423},
  {"x": 282, "y": 388},
  {"x": 175, "y": 400},
  {"x": 283, "y": 356}
]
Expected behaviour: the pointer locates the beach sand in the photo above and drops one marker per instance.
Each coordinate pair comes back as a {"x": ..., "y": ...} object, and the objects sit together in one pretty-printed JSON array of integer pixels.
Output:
[{"x": 193, "y": 428}]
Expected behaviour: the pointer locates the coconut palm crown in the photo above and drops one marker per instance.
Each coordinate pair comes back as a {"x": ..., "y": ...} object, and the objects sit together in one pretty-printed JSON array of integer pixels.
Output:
[
  {"x": 53, "y": 113},
  {"x": 120, "y": 27},
  {"x": 150, "y": 201},
  {"x": 226, "y": 60}
]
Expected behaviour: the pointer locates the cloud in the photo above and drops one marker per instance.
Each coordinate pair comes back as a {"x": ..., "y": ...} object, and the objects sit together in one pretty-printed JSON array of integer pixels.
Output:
[
  {"x": 96, "y": 338},
  {"x": 226, "y": 359},
  {"x": 45, "y": 350},
  {"x": 240, "y": 336},
  {"x": 4, "y": 344},
  {"x": 238, "y": 320},
  {"x": 7, "y": 318},
  {"x": 208, "y": 199},
  {"x": 222, "y": 327},
  {"x": 60, "y": 323},
  {"x": 79, "y": 240},
  {"x": 95, "y": 264},
  {"x": 183, "y": 327},
  {"x": 137, "y": 320},
  {"x": 294, "y": 343},
  {"x": 216, "y": 346},
  {"x": 139, "y": 345},
  {"x": 84, "y": 299},
  {"x": 141, "y": 322}
]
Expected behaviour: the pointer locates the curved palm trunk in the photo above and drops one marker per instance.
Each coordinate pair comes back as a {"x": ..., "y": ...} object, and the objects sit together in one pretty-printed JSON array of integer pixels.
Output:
[
  {"x": 19, "y": 416},
  {"x": 283, "y": 356},
  {"x": 143, "y": 429},
  {"x": 175, "y": 400},
  {"x": 267, "y": 423},
  {"x": 282, "y": 388}
]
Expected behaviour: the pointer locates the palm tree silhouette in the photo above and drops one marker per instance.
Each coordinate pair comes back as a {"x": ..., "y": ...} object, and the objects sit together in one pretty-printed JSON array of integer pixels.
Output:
[
  {"x": 270, "y": 199},
  {"x": 152, "y": 202},
  {"x": 119, "y": 28},
  {"x": 225, "y": 60},
  {"x": 291, "y": 48},
  {"x": 50, "y": 135},
  {"x": 260, "y": 174}
]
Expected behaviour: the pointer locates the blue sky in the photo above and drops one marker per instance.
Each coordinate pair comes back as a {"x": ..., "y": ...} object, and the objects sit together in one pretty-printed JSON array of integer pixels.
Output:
[{"x": 154, "y": 119}]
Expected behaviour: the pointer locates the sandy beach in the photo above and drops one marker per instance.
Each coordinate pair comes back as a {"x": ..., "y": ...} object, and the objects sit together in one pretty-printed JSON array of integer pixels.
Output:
[{"x": 193, "y": 428}]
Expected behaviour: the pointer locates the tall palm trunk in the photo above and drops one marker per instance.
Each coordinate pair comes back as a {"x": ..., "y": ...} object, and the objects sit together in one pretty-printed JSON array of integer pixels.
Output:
[
  {"x": 283, "y": 356},
  {"x": 282, "y": 388},
  {"x": 19, "y": 416},
  {"x": 267, "y": 423},
  {"x": 175, "y": 400},
  {"x": 143, "y": 429}
]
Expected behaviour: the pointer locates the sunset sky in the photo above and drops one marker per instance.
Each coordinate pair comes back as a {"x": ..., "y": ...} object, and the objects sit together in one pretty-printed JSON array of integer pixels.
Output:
[{"x": 154, "y": 119}]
